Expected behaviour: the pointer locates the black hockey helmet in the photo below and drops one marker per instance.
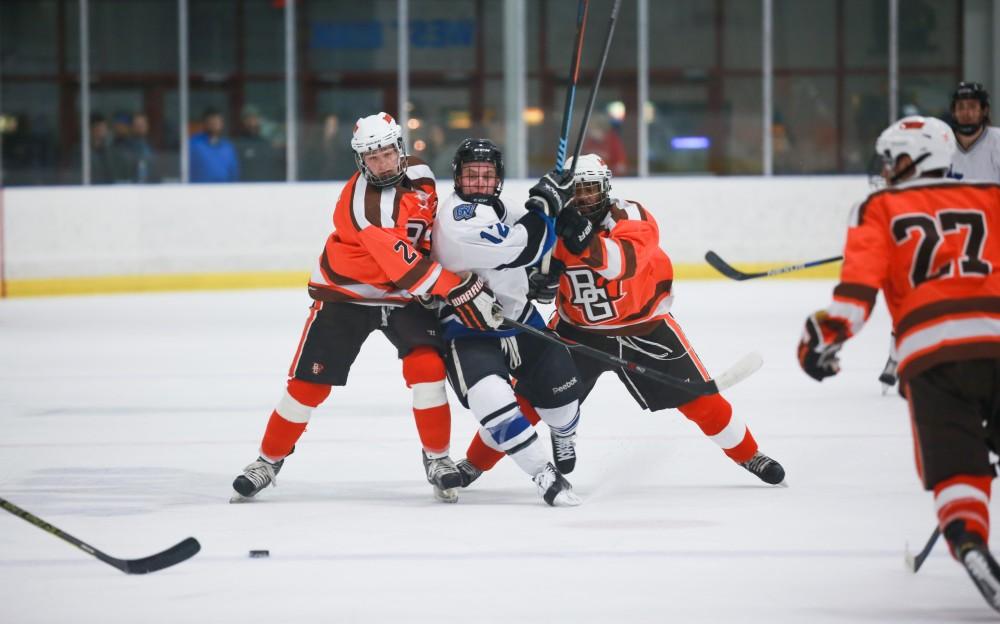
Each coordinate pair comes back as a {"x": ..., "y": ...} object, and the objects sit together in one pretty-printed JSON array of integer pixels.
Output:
[
  {"x": 971, "y": 91},
  {"x": 477, "y": 150}
]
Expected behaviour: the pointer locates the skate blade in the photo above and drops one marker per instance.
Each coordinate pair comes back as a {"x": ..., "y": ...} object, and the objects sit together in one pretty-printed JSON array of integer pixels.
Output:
[
  {"x": 567, "y": 498},
  {"x": 239, "y": 498},
  {"x": 446, "y": 496}
]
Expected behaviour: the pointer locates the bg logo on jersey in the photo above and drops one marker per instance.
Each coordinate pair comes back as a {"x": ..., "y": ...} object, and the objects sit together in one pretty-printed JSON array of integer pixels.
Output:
[{"x": 594, "y": 300}]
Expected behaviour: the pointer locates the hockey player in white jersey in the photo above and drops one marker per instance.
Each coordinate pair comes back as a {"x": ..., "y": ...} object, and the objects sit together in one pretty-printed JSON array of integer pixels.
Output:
[
  {"x": 475, "y": 231},
  {"x": 977, "y": 158}
]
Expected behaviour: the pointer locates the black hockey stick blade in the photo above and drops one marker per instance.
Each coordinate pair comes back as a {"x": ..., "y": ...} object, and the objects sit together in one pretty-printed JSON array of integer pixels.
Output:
[
  {"x": 746, "y": 366},
  {"x": 177, "y": 553},
  {"x": 733, "y": 273},
  {"x": 913, "y": 562}
]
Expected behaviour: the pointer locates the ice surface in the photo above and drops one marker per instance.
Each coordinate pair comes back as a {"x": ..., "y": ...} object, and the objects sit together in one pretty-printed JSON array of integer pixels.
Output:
[{"x": 123, "y": 420}]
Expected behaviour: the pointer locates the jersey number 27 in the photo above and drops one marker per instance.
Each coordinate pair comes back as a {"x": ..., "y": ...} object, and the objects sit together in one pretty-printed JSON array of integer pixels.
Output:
[{"x": 929, "y": 229}]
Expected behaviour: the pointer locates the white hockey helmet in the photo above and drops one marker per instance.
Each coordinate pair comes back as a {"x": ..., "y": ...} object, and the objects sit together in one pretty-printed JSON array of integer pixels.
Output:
[
  {"x": 928, "y": 141},
  {"x": 375, "y": 132},
  {"x": 592, "y": 185}
]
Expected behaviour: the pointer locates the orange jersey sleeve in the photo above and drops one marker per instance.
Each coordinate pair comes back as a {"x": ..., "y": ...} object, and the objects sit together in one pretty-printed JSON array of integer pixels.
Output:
[
  {"x": 933, "y": 248},
  {"x": 623, "y": 279}
]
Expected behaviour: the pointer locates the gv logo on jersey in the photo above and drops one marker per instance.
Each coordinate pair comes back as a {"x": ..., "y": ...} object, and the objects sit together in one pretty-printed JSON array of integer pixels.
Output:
[{"x": 464, "y": 212}]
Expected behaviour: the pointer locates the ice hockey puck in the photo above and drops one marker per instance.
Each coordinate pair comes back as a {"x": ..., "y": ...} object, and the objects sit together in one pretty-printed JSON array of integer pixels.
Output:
[{"x": 257, "y": 554}]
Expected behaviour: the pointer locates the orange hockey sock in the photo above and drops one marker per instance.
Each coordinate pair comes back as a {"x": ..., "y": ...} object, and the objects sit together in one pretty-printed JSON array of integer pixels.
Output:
[
  {"x": 964, "y": 497},
  {"x": 714, "y": 416},
  {"x": 288, "y": 420},
  {"x": 423, "y": 371}
]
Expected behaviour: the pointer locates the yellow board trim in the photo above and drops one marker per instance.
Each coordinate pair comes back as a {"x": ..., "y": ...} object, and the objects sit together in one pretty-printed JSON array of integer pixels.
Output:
[{"x": 296, "y": 279}]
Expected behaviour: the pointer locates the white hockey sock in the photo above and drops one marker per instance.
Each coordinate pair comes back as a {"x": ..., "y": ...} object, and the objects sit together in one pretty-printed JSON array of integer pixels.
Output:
[
  {"x": 562, "y": 420},
  {"x": 531, "y": 458}
]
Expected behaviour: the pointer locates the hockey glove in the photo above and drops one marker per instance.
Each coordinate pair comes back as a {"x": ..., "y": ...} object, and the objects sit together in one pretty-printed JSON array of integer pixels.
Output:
[
  {"x": 575, "y": 230},
  {"x": 552, "y": 193},
  {"x": 475, "y": 304},
  {"x": 820, "y": 345},
  {"x": 543, "y": 287}
]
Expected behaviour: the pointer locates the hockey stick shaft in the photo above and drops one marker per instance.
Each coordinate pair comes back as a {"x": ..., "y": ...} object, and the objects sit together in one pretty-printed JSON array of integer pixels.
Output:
[
  {"x": 582, "y": 8},
  {"x": 915, "y": 561},
  {"x": 733, "y": 273},
  {"x": 748, "y": 365},
  {"x": 574, "y": 76},
  {"x": 177, "y": 553},
  {"x": 612, "y": 20}
]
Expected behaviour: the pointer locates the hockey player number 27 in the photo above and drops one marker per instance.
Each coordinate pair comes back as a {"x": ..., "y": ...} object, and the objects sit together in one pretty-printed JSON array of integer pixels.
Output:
[{"x": 930, "y": 231}]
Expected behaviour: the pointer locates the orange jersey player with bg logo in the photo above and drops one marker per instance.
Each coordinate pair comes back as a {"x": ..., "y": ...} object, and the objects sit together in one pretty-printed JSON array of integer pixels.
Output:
[{"x": 612, "y": 285}]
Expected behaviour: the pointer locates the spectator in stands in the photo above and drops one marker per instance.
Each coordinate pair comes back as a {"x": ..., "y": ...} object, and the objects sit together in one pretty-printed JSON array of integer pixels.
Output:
[
  {"x": 106, "y": 166},
  {"x": 213, "y": 158},
  {"x": 260, "y": 160},
  {"x": 604, "y": 141},
  {"x": 328, "y": 154},
  {"x": 142, "y": 153}
]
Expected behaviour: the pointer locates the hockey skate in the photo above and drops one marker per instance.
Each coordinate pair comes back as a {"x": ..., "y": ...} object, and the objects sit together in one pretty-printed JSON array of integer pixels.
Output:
[
  {"x": 256, "y": 476},
  {"x": 888, "y": 376},
  {"x": 469, "y": 472},
  {"x": 564, "y": 452},
  {"x": 443, "y": 476},
  {"x": 765, "y": 469},
  {"x": 554, "y": 488},
  {"x": 977, "y": 561}
]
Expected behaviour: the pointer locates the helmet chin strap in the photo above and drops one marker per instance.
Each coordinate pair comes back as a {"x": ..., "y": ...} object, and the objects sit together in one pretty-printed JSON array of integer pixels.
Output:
[
  {"x": 901, "y": 175},
  {"x": 969, "y": 129}
]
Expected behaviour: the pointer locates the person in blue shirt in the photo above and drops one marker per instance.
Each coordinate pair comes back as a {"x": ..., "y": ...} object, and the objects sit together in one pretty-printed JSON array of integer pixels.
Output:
[{"x": 213, "y": 158}]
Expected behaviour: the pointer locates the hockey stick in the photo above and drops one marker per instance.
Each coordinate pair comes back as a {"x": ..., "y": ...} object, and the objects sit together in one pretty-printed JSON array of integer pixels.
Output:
[
  {"x": 727, "y": 269},
  {"x": 746, "y": 366},
  {"x": 173, "y": 555},
  {"x": 567, "y": 118},
  {"x": 913, "y": 562},
  {"x": 574, "y": 75}
]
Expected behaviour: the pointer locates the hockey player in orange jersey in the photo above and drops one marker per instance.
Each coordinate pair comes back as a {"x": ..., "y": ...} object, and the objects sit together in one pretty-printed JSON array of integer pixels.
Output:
[
  {"x": 614, "y": 294},
  {"x": 932, "y": 246},
  {"x": 374, "y": 263}
]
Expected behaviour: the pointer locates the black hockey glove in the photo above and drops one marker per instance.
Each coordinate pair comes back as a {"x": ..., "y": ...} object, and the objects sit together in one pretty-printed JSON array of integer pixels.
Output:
[
  {"x": 475, "y": 304},
  {"x": 575, "y": 230},
  {"x": 552, "y": 193},
  {"x": 820, "y": 345},
  {"x": 543, "y": 287}
]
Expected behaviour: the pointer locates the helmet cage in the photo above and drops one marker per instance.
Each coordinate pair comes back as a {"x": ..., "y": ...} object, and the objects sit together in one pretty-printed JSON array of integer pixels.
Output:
[
  {"x": 592, "y": 187},
  {"x": 472, "y": 151},
  {"x": 372, "y": 134}
]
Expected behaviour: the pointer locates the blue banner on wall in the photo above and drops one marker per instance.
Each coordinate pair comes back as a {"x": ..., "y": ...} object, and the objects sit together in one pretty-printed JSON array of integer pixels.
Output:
[{"x": 372, "y": 34}]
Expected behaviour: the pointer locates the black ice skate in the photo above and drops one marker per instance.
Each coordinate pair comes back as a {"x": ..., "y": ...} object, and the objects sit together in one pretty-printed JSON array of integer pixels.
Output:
[
  {"x": 977, "y": 561},
  {"x": 564, "y": 452},
  {"x": 469, "y": 472},
  {"x": 444, "y": 476},
  {"x": 256, "y": 476},
  {"x": 554, "y": 488},
  {"x": 765, "y": 468},
  {"x": 888, "y": 376}
]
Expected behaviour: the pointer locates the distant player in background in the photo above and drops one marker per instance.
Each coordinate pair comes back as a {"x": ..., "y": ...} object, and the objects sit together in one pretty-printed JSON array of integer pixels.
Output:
[
  {"x": 614, "y": 294},
  {"x": 977, "y": 158},
  {"x": 932, "y": 245},
  {"x": 374, "y": 262},
  {"x": 475, "y": 231}
]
